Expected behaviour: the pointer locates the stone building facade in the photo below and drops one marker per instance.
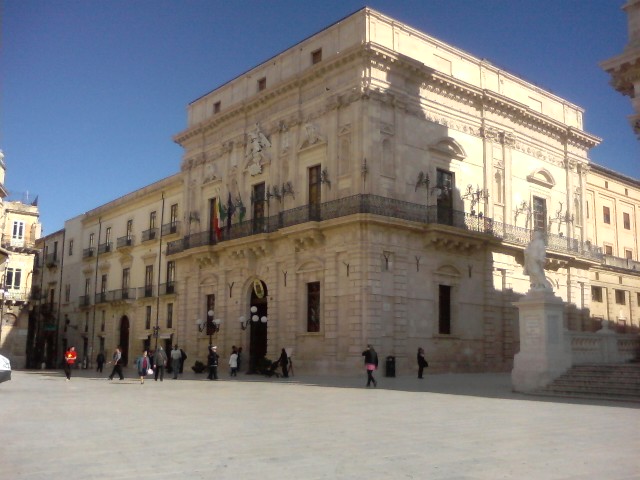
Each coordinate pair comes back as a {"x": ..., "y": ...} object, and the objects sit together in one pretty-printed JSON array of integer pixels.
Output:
[{"x": 370, "y": 185}]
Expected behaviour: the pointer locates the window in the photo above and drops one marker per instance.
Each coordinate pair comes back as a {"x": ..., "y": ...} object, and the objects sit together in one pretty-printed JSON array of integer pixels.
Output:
[
  {"x": 92, "y": 237},
  {"x": 13, "y": 278},
  {"x": 314, "y": 178},
  {"x": 596, "y": 294},
  {"x": 126, "y": 273},
  {"x": 258, "y": 194},
  {"x": 444, "y": 314},
  {"x": 17, "y": 234},
  {"x": 539, "y": 214},
  {"x": 87, "y": 286},
  {"x": 152, "y": 220},
  {"x": 316, "y": 56},
  {"x": 103, "y": 320},
  {"x": 626, "y": 221},
  {"x": 171, "y": 276},
  {"x": 606, "y": 184},
  {"x": 628, "y": 254},
  {"x": 147, "y": 318},
  {"x": 606, "y": 215},
  {"x": 313, "y": 307},
  {"x": 587, "y": 209},
  {"x": 148, "y": 281},
  {"x": 103, "y": 284},
  {"x": 173, "y": 215},
  {"x": 216, "y": 107},
  {"x": 608, "y": 250},
  {"x": 129, "y": 229},
  {"x": 107, "y": 236},
  {"x": 620, "y": 297},
  {"x": 67, "y": 293},
  {"x": 70, "y": 247},
  {"x": 169, "y": 315},
  {"x": 262, "y": 84}
]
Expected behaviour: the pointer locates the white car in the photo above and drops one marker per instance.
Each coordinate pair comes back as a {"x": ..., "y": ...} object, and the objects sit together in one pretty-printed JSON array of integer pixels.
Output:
[{"x": 5, "y": 369}]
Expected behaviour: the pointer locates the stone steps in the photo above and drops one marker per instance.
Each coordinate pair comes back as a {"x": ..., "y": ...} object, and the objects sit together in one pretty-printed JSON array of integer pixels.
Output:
[{"x": 604, "y": 382}]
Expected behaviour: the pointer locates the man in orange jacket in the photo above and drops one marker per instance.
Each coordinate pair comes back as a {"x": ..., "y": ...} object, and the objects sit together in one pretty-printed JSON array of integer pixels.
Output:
[{"x": 69, "y": 359}]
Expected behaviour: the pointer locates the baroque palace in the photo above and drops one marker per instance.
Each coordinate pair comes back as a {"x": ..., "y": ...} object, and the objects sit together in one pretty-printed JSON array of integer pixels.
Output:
[{"x": 371, "y": 184}]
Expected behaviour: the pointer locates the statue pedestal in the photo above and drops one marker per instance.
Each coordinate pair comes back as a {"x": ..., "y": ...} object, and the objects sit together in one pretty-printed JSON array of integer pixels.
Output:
[{"x": 544, "y": 352}]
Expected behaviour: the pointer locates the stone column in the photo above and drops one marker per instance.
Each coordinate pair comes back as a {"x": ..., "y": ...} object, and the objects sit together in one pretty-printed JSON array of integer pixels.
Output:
[{"x": 544, "y": 350}]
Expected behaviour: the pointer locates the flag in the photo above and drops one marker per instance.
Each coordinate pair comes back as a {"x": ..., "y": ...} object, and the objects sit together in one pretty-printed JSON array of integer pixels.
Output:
[
  {"x": 230, "y": 211},
  {"x": 216, "y": 219}
]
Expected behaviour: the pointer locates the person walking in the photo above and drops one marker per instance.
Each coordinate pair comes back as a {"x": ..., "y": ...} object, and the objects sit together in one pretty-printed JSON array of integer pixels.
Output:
[
  {"x": 371, "y": 364},
  {"x": 100, "y": 362},
  {"x": 284, "y": 363},
  {"x": 159, "y": 362},
  {"x": 233, "y": 363},
  {"x": 183, "y": 358},
  {"x": 422, "y": 362},
  {"x": 144, "y": 364},
  {"x": 239, "y": 358},
  {"x": 117, "y": 364},
  {"x": 213, "y": 363},
  {"x": 69, "y": 360},
  {"x": 176, "y": 358}
]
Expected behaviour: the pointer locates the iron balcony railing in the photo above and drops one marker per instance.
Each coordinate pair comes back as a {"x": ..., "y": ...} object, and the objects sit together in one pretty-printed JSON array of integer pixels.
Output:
[
  {"x": 386, "y": 207},
  {"x": 170, "y": 228},
  {"x": 105, "y": 247},
  {"x": 51, "y": 260},
  {"x": 88, "y": 252},
  {"x": 150, "y": 234},
  {"x": 168, "y": 288},
  {"x": 126, "y": 241},
  {"x": 146, "y": 291},
  {"x": 84, "y": 300},
  {"x": 124, "y": 294}
]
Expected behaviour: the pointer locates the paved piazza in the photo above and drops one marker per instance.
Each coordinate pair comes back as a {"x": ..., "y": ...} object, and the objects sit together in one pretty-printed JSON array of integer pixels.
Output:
[{"x": 444, "y": 427}]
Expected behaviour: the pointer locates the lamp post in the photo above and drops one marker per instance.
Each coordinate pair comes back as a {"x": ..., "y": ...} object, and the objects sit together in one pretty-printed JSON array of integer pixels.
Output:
[
  {"x": 156, "y": 334},
  {"x": 210, "y": 324}
]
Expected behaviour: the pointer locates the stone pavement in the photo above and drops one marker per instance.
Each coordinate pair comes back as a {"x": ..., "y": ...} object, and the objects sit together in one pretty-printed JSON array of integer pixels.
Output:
[{"x": 451, "y": 426}]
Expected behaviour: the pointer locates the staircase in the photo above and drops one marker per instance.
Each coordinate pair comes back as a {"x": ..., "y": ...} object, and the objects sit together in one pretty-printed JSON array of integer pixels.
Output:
[{"x": 604, "y": 382}]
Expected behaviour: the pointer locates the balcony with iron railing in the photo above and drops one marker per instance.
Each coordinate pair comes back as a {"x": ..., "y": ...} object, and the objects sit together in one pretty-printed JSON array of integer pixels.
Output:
[
  {"x": 84, "y": 300},
  {"x": 105, "y": 248},
  {"x": 168, "y": 288},
  {"x": 88, "y": 252},
  {"x": 150, "y": 234},
  {"x": 385, "y": 207},
  {"x": 146, "y": 291},
  {"x": 51, "y": 260},
  {"x": 171, "y": 228},
  {"x": 126, "y": 241}
]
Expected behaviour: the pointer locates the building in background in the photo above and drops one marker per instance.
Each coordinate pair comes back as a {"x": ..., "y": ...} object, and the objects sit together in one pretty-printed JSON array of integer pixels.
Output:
[
  {"x": 625, "y": 68},
  {"x": 370, "y": 185},
  {"x": 20, "y": 227}
]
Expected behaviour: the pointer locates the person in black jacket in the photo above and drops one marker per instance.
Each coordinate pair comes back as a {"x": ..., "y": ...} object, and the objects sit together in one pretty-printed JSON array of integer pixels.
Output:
[
  {"x": 422, "y": 362},
  {"x": 213, "y": 363},
  {"x": 284, "y": 363},
  {"x": 371, "y": 364}
]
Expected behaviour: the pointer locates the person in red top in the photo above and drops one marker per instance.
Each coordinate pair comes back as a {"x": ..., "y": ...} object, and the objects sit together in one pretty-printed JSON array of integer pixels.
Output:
[{"x": 69, "y": 359}]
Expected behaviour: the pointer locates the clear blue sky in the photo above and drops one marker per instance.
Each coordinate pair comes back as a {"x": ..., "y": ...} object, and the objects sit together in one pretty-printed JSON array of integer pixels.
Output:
[{"x": 92, "y": 92}]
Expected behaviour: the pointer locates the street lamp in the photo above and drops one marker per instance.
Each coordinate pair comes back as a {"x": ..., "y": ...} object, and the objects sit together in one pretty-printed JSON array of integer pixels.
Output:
[
  {"x": 244, "y": 323},
  {"x": 156, "y": 334},
  {"x": 212, "y": 326}
]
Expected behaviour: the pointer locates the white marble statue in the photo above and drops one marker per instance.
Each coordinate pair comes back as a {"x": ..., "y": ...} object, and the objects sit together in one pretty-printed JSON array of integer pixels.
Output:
[{"x": 534, "y": 260}]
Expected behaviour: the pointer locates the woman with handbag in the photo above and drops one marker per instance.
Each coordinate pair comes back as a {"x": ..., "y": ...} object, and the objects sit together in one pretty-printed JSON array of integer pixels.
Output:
[{"x": 144, "y": 366}]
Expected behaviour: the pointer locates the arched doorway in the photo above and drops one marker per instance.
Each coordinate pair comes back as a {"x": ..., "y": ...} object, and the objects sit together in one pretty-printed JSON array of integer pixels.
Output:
[
  {"x": 124, "y": 339},
  {"x": 258, "y": 332}
]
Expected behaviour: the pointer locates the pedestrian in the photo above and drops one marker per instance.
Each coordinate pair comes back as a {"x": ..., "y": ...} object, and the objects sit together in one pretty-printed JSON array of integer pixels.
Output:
[
  {"x": 213, "y": 363},
  {"x": 284, "y": 363},
  {"x": 159, "y": 362},
  {"x": 176, "y": 358},
  {"x": 183, "y": 357},
  {"x": 239, "y": 358},
  {"x": 144, "y": 364},
  {"x": 100, "y": 362},
  {"x": 117, "y": 364},
  {"x": 422, "y": 362},
  {"x": 233, "y": 363},
  {"x": 69, "y": 360},
  {"x": 371, "y": 363}
]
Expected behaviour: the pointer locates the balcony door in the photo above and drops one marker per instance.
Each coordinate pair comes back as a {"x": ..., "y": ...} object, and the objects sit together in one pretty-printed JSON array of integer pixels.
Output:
[
  {"x": 314, "y": 193},
  {"x": 445, "y": 184},
  {"x": 258, "y": 194}
]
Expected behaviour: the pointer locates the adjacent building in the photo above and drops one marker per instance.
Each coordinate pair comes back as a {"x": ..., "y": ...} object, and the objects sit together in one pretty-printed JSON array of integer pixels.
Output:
[{"x": 369, "y": 185}]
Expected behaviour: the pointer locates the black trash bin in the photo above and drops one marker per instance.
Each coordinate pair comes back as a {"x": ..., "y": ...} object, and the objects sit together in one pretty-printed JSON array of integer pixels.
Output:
[{"x": 391, "y": 366}]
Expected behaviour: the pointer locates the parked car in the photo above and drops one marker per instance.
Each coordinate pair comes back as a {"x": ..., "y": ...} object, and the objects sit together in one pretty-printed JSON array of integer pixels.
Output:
[{"x": 5, "y": 369}]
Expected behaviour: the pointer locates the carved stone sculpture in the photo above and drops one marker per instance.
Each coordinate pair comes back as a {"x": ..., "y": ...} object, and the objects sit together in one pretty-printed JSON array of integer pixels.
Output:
[{"x": 534, "y": 259}]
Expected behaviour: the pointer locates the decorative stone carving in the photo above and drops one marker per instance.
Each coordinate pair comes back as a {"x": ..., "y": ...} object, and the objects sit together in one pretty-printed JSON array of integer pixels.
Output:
[
  {"x": 257, "y": 150},
  {"x": 310, "y": 136}
]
